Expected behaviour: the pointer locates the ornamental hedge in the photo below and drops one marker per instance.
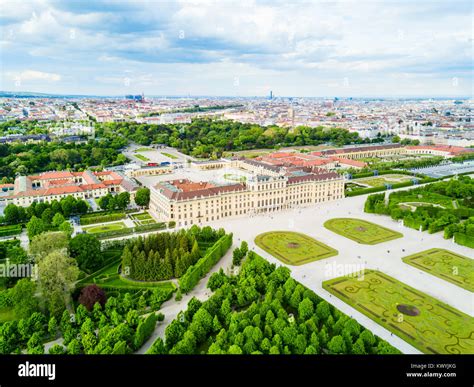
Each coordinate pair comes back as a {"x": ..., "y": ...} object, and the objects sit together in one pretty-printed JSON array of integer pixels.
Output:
[
  {"x": 85, "y": 220},
  {"x": 10, "y": 230},
  {"x": 194, "y": 273}
]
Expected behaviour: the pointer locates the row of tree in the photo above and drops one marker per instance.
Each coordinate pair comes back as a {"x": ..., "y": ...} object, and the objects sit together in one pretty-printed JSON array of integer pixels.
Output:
[
  {"x": 163, "y": 256},
  {"x": 66, "y": 207},
  {"x": 205, "y": 137},
  {"x": 28, "y": 158}
]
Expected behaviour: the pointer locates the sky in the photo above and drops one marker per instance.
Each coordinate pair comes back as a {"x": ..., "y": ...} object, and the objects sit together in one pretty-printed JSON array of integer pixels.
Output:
[{"x": 238, "y": 48}]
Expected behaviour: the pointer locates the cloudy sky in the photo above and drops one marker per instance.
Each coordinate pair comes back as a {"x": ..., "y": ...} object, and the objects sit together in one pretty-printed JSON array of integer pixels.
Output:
[{"x": 241, "y": 48}]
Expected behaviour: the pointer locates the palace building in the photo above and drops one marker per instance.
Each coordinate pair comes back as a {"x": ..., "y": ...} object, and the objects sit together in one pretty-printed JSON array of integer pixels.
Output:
[{"x": 187, "y": 202}]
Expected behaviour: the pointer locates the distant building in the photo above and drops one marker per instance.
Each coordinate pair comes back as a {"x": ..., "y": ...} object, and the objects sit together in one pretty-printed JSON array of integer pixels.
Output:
[{"x": 139, "y": 98}]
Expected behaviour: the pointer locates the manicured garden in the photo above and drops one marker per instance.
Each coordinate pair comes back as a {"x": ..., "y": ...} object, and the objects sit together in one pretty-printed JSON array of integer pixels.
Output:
[
  {"x": 104, "y": 228},
  {"x": 446, "y": 206},
  {"x": 423, "y": 321},
  {"x": 263, "y": 310},
  {"x": 446, "y": 265},
  {"x": 142, "y": 219},
  {"x": 379, "y": 181},
  {"x": 143, "y": 149},
  {"x": 293, "y": 248},
  {"x": 361, "y": 231}
]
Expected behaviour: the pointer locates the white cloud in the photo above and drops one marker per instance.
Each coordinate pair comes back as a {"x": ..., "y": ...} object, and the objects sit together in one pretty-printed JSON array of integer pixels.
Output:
[{"x": 33, "y": 75}]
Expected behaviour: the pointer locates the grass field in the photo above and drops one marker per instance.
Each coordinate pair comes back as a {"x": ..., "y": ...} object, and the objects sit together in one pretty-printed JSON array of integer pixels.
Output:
[
  {"x": 423, "y": 321},
  {"x": 361, "y": 231},
  {"x": 142, "y": 219},
  {"x": 446, "y": 265},
  {"x": 141, "y": 157},
  {"x": 378, "y": 181},
  {"x": 143, "y": 150},
  {"x": 293, "y": 248},
  {"x": 104, "y": 228},
  {"x": 169, "y": 155}
]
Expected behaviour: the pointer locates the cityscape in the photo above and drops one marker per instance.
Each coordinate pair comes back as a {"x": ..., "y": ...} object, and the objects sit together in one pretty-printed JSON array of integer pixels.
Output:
[{"x": 171, "y": 184}]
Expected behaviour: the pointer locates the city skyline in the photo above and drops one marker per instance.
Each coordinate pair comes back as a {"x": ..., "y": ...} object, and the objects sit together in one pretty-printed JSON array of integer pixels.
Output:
[{"x": 369, "y": 49}]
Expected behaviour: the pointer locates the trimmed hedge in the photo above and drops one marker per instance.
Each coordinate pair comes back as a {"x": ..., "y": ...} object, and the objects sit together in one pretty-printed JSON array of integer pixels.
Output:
[
  {"x": 10, "y": 230},
  {"x": 130, "y": 230},
  {"x": 194, "y": 273},
  {"x": 464, "y": 239},
  {"x": 85, "y": 220},
  {"x": 4, "y": 246},
  {"x": 144, "y": 330}
]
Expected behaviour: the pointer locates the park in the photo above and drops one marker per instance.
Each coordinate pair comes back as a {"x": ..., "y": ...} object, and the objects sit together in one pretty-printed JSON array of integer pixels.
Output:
[
  {"x": 293, "y": 248},
  {"x": 423, "y": 321},
  {"x": 361, "y": 231}
]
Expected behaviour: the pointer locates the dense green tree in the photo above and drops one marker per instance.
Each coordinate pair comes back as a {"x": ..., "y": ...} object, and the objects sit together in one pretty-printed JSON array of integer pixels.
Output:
[
  {"x": 23, "y": 297},
  {"x": 86, "y": 250}
]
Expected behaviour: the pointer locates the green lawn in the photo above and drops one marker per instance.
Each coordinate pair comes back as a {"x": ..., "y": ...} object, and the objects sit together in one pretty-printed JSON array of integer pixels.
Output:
[
  {"x": 104, "y": 228},
  {"x": 423, "y": 321},
  {"x": 446, "y": 265},
  {"x": 169, "y": 155},
  {"x": 142, "y": 216},
  {"x": 378, "y": 181},
  {"x": 361, "y": 231},
  {"x": 143, "y": 150},
  {"x": 141, "y": 157},
  {"x": 293, "y": 248}
]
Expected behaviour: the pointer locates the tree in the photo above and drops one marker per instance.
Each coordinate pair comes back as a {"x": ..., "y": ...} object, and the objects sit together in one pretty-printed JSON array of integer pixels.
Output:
[
  {"x": 58, "y": 219},
  {"x": 85, "y": 249},
  {"x": 104, "y": 201},
  {"x": 57, "y": 274},
  {"x": 337, "y": 345},
  {"x": 305, "y": 309},
  {"x": 234, "y": 350},
  {"x": 123, "y": 200},
  {"x": 57, "y": 349},
  {"x": 237, "y": 257},
  {"x": 323, "y": 311},
  {"x": 395, "y": 139},
  {"x": 92, "y": 294},
  {"x": 52, "y": 326},
  {"x": 66, "y": 228},
  {"x": 35, "y": 227},
  {"x": 44, "y": 244},
  {"x": 74, "y": 348},
  {"x": 23, "y": 297},
  {"x": 11, "y": 214},
  {"x": 35, "y": 345},
  {"x": 142, "y": 197}
]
